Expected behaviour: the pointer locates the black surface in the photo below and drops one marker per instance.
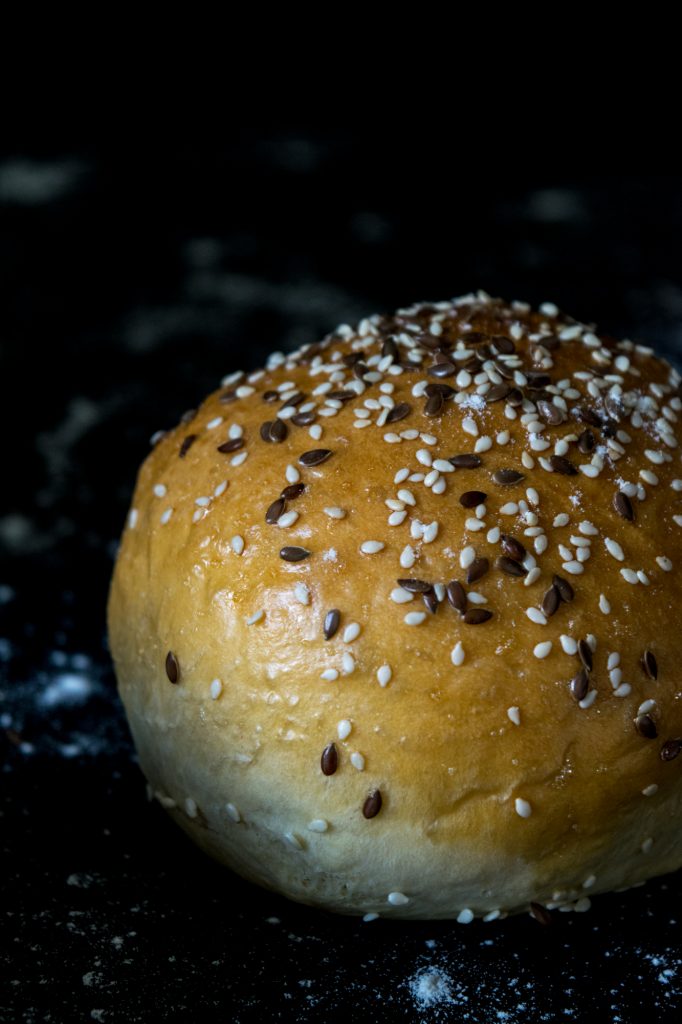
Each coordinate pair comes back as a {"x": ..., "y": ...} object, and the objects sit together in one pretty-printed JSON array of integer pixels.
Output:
[{"x": 131, "y": 285}]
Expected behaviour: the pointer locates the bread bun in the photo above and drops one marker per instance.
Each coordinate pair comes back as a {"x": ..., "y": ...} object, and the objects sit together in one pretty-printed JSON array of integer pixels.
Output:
[{"x": 396, "y": 620}]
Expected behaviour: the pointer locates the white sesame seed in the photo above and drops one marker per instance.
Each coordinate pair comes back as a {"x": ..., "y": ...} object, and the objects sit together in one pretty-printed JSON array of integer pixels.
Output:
[
  {"x": 467, "y": 556},
  {"x": 541, "y": 650},
  {"x": 431, "y": 478},
  {"x": 165, "y": 516},
  {"x": 510, "y": 508},
  {"x": 533, "y": 496},
  {"x": 132, "y": 518},
  {"x": 533, "y": 575},
  {"x": 653, "y": 456},
  {"x": 237, "y": 459},
  {"x": 527, "y": 460},
  {"x": 329, "y": 675},
  {"x": 522, "y": 808},
  {"x": 256, "y": 617},
  {"x": 629, "y": 576},
  {"x": 351, "y": 632},
  {"x": 540, "y": 544},
  {"x": 568, "y": 644},
  {"x": 359, "y": 424},
  {"x": 615, "y": 677},
  {"x": 212, "y": 424},
  {"x": 561, "y": 520},
  {"x": 650, "y": 790},
  {"x": 220, "y": 489},
  {"x": 493, "y": 535},
  {"x": 614, "y": 549},
  {"x": 664, "y": 563},
  {"x": 384, "y": 675},
  {"x": 457, "y": 654},
  {"x": 574, "y": 568},
  {"x": 483, "y": 444},
  {"x": 397, "y": 518},
  {"x": 191, "y": 807},
  {"x": 343, "y": 729},
  {"x": 407, "y": 557},
  {"x": 159, "y": 490},
  {"x": 302, "y": 593},
  {"x": 469, "y": 426},
  {"x": 358, "y": 761},
  {"x": 535, "y": 615},
  {"x": 604, "y": 604},
  {"x": 646, "y": 706},
  {"x": 392, "y": 438},
  {"x": 318, "y": 825},
  {"x": 588, "y": 700},
  {"x": 315, "y": 432},
  {"x": 348, "y": 663},
  {"x": 677, "y": 520},
  {"x": 642, "y": 577},
  {"x": 514, "y": 715},
  {"x": 424, "y": 457},
  {"x": 414, "y": 618},
  {"x": 237, "y": 544},
  {"x": 429, "y": 439},
  {"x": 401, "y": 475},
  {"x": 439, "y": 486},
  {"x": 292, "y": 474},
  {"x": 372, "y": 547},
  {"x": 465, "y": 916},
  {"x": 334, "y": 512},
  {"x": 443, "y": 466},
  {"x": 233, "y": 812},
  {"x": 407, "y": 496},
  {"x": 623, "y": 690},
  {"x": 676, "y": 485},
  {"x": 216, "y": 689},
  {"x": 401, "y": 596},
  {"x": 287, "y": 519}
]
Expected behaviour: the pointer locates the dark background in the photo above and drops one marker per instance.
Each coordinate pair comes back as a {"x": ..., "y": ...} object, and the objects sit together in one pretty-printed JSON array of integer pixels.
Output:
[{"x": 130, "y": 285}]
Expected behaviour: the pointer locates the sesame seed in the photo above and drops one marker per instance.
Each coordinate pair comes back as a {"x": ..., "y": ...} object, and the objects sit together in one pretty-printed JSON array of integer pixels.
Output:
[
  {"x": 465, "y": 916},
  {"x": 220, "y": 489},
  {"x": 191, "y": 807},
  {"x": 288, "y": 519},
  {"x": 650, "y": 790},
  {"x": 664, "y": 563},
  {"x": 293, "y": 554},
  {"x": 132, "y": 518},
  {"x": 351, "y": 632},
  {"x": 629, "y": 576},
  {"x": 329, "y": 675},
  {"x": 165, "y": 516},
  {"x": 568, "y": 644},
  {"x": 212, "y": 424},
  {"x": 159, "y": 490},
  {"x": 237, "y": 544},
  {"x": 233, "y": 812},
  {"x": 467, "y": 557},
  {"x": 536, "y": 616},
  {"x": 514, "y": 715},
  {"x": 172, "y": 668},
  {"x": 510, "y": 508},
  {"x": 292, "y": 474},
  {"x": 256, "y": 617},
  {"x": 372, "y": 547},
  {"x": 384, "y": 675},
  {"x": 216, "y": 689},
  {"x": 302, "y": 593},
  {"x": 457, "y": 654},
  {"x": 588, "y": 701},
  {"x": 522, "y": 808},
  {"x": 397, "y": 899},
  {"x": 347, "y": 663},
  {"x": 414, "y": 618},
  {"x": 541, "y": 650},
  {"x": 623, "y": 690},
  {"x": 344, "y": 728},
  {"x": 318, "y": 825}
]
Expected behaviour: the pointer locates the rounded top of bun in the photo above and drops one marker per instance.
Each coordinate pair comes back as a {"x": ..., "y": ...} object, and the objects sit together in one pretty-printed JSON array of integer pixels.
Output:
[{"x": 446, "y": 542}]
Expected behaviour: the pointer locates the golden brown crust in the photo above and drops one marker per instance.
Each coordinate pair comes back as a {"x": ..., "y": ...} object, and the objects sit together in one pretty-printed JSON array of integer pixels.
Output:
[{"x": 455, "y": 772}]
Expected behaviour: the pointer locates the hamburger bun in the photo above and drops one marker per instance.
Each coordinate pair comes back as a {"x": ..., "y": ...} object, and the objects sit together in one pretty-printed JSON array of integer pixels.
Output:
[{"x": 395, "y": 620}]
